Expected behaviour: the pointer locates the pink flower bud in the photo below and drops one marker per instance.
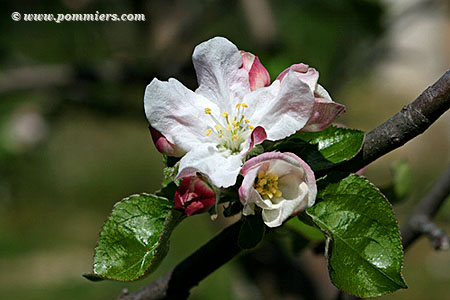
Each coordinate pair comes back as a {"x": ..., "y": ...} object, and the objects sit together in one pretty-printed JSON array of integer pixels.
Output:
[
  {"x": 163, "y": 145},
  {"x": 257, "y": 74},
  {"x": 194, "y": 196}
]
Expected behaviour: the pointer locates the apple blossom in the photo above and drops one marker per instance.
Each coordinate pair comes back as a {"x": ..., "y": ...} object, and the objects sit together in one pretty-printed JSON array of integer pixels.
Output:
[
  {"x": 219, "y": 122},
  {"x": 194, "y": 196},
  {"x": 281, "y": 184},
  {"x": 325, "y": 110}
]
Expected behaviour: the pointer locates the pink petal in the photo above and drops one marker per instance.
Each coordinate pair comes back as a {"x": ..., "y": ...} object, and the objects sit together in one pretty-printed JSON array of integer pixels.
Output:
[
  {"x": 257, "y": 137},
  {"x": 283, "y": 108},
  {"x": 300, "y": 68},
  {"x": 163, "y": 145},
  {"x": 324, "y": 113}
]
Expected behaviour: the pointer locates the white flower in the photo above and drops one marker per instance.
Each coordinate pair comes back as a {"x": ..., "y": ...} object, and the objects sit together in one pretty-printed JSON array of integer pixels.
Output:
[
  {"x": 221, "y": 121},
  {"x": 281, "y": 184}
]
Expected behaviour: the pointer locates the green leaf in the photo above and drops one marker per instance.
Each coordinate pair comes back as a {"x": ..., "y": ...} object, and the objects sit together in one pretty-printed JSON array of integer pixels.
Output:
[
  {"x": 307, "y": 231},
  {"x": 364, "y": 248},
  {"x": 326, "y": 148},
  {"x": 135, "y": 238},
  {"x": 168, "y": 191},
  {"x": 252, "y": 231}
]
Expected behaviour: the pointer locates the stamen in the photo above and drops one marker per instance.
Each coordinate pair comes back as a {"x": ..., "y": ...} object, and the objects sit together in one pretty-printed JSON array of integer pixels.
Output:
[
  {"x": 238, "y": 106},
  {"x": 247, "y": 121},
  {"x": 235, "y": 137},
  {"x": 208, "y": 132},
  {"x": 251, "y": 127},
  {"x": 208, "y": 111},
  {"x": 218, "y": 127},
  {"x": 267, "y": 185},
  {"x": 244, "y": 105},
  {"x": 229, "y": 127},
  {"x": 225, "y": 114}
]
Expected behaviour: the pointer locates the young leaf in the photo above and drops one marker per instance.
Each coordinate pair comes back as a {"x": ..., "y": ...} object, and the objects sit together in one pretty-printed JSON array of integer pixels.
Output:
[
  {"x": 326, "y": 148},
  {"x": 364, "y": 248},
  {"x": 252, "y": 232},
  {"x": 135, "y": 238}
]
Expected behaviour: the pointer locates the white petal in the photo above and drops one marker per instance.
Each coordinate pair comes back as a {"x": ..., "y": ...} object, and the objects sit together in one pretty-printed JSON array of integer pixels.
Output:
[
  {"x": 322, "y": 92},
  {"x": 217, "y": 63},
  {"x": 221, "y": 169},
  {"x": 177, "y": 112},
  {"x": 282, "y": 109}
]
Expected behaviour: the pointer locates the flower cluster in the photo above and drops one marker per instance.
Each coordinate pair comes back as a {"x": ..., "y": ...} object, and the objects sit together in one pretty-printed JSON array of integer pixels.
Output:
[{"x": 235, "y": 108}]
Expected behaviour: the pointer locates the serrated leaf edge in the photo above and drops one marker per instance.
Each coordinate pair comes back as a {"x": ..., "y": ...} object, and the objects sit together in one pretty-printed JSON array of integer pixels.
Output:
[
  {"x": 330, "y": 238},
  {"x": 100, "y": 276}
]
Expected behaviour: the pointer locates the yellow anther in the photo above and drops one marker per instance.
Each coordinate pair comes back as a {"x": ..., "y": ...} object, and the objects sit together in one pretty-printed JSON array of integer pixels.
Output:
[
  {"x": 247, "y": 121},
  {"x": 235, "y": 137},
  {"x": 267, "y": 185},
  {"x": 236, "y": 127},
  {"x": 225, "y": 114},
  {"x": 208, "y": 132},
  {"x": 251, "y": 127},
  {"x": 208, "y": 111},
  {"x": 218, "y": 127},
  {"x": 238, "y": 105},
  {"x": 244, "y": 105},
  {"x": 229, "y": 127},
  {"x": 234, "y": 122},
  {"x": 220, "y": 134}
]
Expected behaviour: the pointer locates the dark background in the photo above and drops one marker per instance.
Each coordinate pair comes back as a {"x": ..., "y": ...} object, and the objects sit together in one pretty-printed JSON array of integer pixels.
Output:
[{"x": 74, "y": 138}]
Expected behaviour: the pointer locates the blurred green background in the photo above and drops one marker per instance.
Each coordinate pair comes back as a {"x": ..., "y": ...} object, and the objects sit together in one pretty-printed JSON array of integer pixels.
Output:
[{"x": 74, "y": 138}]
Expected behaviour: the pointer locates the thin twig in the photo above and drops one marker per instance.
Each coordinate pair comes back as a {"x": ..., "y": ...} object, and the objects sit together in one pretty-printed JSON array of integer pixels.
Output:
[
  {"x": 419, "y": 222},
  {"x": 411, "y": 121}
]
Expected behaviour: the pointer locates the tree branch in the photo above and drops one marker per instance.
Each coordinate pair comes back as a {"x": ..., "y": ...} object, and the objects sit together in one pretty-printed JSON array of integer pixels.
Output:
[
  {"x": 177, "y": 283},
  {"x": 419, "y": 222},
  {"x": 411, "y": 121}
]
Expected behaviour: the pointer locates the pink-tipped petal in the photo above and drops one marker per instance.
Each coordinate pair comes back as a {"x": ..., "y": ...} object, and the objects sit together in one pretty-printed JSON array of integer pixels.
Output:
[
  {"x": 300, "y": 68},
  {"x": 324, "y": 113},
  {"x": 163, "y": 145},
  {"x": 257, "y": 137},
  {"x": 257, "y": 74},
  {"x": 282, "y": 108}
]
